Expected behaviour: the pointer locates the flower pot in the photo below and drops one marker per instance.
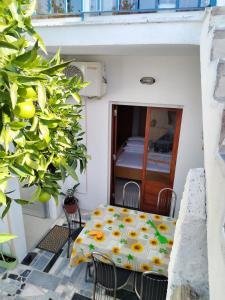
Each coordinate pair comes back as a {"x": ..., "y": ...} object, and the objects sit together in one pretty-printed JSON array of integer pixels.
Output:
[
  {"x": 70, "y": 204},
  {"x": 9, "y": 263}
]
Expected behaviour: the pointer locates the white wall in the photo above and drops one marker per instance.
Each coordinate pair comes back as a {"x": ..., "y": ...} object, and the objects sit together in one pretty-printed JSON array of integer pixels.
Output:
[
  {"x": 214, "y": 168},
  {"x": 177, "y": 85}
]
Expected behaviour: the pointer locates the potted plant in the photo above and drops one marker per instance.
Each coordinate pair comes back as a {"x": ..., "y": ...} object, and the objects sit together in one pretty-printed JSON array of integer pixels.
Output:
[
  {"x": 7, "y": 260},
  {"x": 126, "y": 5},
  {"x": 70, "y": 201}
]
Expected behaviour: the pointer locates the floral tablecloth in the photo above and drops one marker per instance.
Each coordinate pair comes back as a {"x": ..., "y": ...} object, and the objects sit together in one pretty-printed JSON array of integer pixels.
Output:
[{"x": 127, "y": 238}]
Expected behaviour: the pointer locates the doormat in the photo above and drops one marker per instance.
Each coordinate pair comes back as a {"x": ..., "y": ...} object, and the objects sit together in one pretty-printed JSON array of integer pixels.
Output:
[{"x": 54, "y": 240}]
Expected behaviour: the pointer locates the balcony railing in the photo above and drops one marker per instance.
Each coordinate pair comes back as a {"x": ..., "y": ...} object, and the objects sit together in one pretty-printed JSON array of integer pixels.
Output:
[{"x": 101, "y": 7}]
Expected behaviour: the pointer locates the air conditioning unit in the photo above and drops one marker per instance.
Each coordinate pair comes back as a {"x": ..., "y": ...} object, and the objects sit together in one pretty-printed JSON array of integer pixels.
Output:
[{"x": 92, "y": 72}]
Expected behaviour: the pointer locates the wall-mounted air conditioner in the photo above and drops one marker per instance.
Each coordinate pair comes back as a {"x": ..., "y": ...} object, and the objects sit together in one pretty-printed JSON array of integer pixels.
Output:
[{"x": 92, "y": 72}]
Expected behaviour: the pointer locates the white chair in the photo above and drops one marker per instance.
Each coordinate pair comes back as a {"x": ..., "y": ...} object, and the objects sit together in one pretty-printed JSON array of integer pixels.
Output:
[
  {"x": 131, "y": 195},
  {"x": 167, "y": 201}
]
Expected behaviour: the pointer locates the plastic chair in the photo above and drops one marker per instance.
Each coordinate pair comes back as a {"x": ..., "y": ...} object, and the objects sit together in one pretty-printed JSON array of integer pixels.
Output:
[
  {"x": 131, "y": 195},
  {"x": 166, "y": 201},
  {"x": 151, "y": 286},
  {"x": 107, "y": 277}
]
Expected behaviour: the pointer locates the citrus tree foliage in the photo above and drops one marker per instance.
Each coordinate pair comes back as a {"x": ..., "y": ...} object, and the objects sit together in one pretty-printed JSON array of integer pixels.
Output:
[{"x": 40, "y": 132}]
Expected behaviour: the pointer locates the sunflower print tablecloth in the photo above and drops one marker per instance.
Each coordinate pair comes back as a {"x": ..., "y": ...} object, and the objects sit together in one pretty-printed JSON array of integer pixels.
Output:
[{"x": 128, "y": 239}]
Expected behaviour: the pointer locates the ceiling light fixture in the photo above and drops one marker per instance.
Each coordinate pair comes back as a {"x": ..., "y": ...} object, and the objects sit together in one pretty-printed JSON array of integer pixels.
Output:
[{"x": 147, "y": 80}]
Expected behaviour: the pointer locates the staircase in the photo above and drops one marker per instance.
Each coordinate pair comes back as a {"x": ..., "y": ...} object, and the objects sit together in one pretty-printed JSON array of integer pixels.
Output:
[{"x": 213, "y": 105}]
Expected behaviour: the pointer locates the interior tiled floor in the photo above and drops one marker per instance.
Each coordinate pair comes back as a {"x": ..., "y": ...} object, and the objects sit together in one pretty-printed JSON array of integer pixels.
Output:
[{"x": 44, "y": 278}]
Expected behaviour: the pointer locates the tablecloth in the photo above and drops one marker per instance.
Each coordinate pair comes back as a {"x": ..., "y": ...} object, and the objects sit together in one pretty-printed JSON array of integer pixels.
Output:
[{"x": 127, "y": 238}]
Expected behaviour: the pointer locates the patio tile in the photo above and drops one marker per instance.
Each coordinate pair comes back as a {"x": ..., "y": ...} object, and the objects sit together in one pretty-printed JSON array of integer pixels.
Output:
[
  {"x": 44, "y": 280},
  {"x": 36, "y": 282},
  {"x": 41, "y": 262}
]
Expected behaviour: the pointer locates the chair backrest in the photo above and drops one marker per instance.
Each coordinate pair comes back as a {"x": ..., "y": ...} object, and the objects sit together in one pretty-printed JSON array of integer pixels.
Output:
[
  {"x": 131, "y": 195},
  {"x": 73, "y": 219},
  {"x": 105, "y": 278},
  {"x": 166, "y": 201},
  {"x": 153, "y": 286}
]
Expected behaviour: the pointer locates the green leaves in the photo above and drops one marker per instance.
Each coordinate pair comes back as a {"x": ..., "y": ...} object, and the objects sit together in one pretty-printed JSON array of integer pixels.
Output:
[
  {"x": 56, "y": 68},
  {"x": 2, "y": 198},
  {"x": 4, "y": 237},
  {"x": 43, "y": 144},
  {"x": 35, "y": 196},
  {"x": 76, "y": 97},
  {"x": 21, "y": 171},
  {"x": 41, "y": 96},
  {"x": 16, "y": 125},
  {"x": 44, "y": 132},
  {"x": 4, "y": 44},
  {"x": 27, "y": 57},
  {"x": 13, "y": 94},
  {"x": 30, "y": 9}
]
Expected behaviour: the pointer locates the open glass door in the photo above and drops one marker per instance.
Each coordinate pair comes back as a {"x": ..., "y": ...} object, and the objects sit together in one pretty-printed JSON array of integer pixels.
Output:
[{"x": 160, "y": 154}]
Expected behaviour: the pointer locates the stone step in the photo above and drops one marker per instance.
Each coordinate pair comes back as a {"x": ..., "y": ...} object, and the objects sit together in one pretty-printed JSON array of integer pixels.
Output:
[{"x": 219, "y": 91}]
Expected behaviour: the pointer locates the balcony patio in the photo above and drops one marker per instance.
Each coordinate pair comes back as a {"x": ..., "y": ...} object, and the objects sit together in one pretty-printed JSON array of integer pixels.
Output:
[
  {"x": 81, "y": 8},
  {"x": 137, "y": 38}
]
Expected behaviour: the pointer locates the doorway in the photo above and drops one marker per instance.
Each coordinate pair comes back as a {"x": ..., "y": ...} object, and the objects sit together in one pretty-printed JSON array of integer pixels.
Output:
[{"x": 144, "y": 149}]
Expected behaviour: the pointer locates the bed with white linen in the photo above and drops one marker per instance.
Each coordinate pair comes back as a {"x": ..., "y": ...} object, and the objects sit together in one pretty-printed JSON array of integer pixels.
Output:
[{"x": 129, "y": 163}]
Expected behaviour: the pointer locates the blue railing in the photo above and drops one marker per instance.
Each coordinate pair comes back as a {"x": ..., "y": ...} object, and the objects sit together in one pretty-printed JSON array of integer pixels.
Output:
[{"x": 97, "y": 7}]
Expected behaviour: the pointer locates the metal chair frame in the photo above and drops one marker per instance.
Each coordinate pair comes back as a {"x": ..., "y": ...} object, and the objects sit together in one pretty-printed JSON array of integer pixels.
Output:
[
  {"x": 71, "y": 221},
  {"x": 124, "y": 194},
  {"x": 98, "y": 257},
  {"x": 173, "y": 200},
  {"x": 146, "y": 274}
]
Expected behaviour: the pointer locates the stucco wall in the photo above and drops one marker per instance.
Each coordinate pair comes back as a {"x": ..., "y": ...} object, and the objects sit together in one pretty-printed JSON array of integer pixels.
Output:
[
  {"x": 190, "y": 242},
  {"x": 177, "y": 85},
  {"x": 214, "y": 167}
]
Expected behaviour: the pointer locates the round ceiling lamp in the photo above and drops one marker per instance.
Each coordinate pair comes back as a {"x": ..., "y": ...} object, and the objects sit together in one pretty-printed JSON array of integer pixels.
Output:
[{"x": 147, "y": 80}]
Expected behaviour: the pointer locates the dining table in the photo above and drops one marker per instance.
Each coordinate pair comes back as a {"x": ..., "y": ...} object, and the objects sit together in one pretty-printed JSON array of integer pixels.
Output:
[{"x": 134, "y": 240}]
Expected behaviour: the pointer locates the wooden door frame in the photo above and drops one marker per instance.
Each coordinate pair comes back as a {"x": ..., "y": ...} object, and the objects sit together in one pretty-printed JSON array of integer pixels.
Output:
[
  {"x": 113, "y": 151},
  {"x": 113, "y": 131},
  {"x": 146, "y": 139},
  {"x": 179, "y": 112}
]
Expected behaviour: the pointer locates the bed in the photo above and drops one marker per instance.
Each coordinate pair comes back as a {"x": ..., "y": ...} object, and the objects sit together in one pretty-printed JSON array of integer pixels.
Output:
[{"x": 129, "y": 163}]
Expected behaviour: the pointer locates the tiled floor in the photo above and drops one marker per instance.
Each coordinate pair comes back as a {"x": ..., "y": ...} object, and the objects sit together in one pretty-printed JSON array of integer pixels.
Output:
[
  {"x": 43, "y": 281},
  {"x": 49, "y": 277}
]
